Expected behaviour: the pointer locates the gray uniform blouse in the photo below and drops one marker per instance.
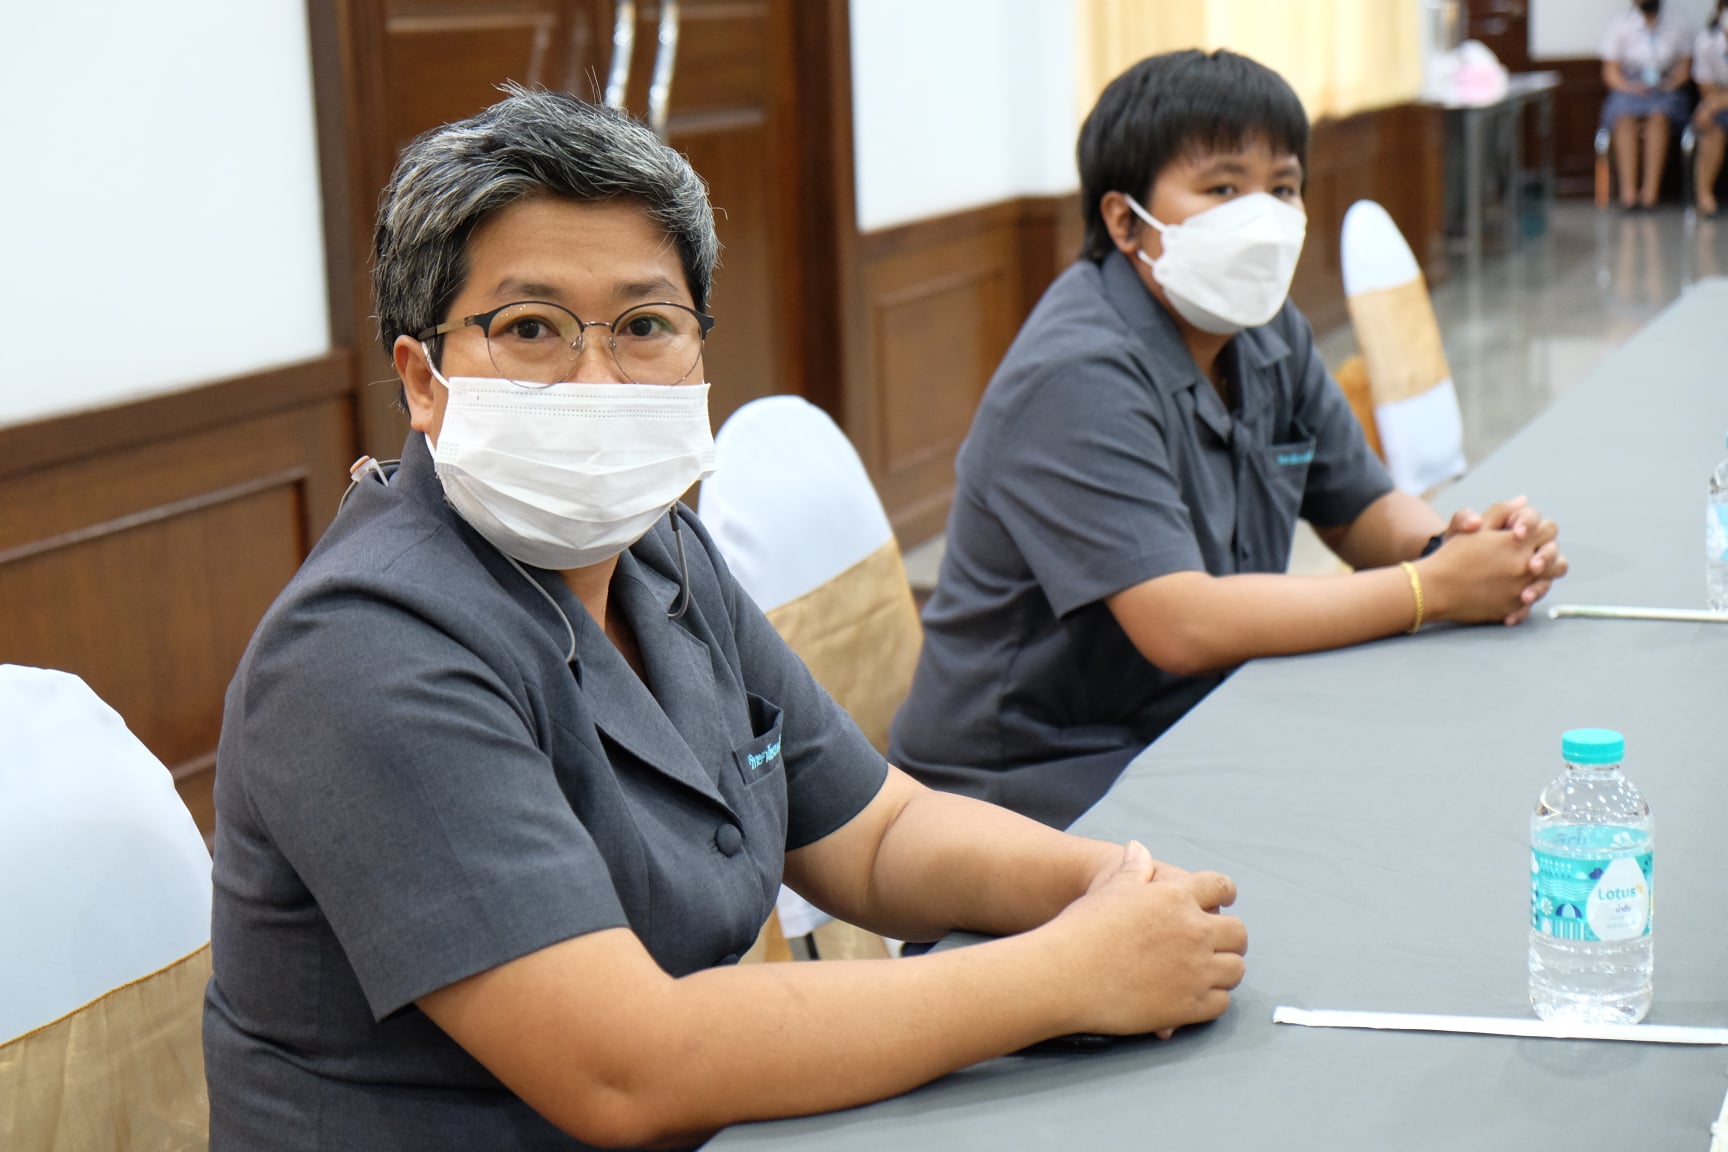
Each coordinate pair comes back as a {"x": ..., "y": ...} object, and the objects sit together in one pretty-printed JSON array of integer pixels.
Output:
[
  {"x": 1101, "y": 458},
  {"x": 414, "y": 787}
]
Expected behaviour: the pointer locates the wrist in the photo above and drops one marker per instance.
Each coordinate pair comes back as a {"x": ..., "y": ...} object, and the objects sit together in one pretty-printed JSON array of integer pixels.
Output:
[
  {"x": 1044, "y": 967},
  {"x": 1094, "y": 861},
  {"x": 1436, "y": 598}
]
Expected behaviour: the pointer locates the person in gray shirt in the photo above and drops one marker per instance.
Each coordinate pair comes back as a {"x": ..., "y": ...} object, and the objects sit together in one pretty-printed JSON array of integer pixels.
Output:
[
  {"x": 511, "y": 772},
  {"x": 1127, "y": 496}
]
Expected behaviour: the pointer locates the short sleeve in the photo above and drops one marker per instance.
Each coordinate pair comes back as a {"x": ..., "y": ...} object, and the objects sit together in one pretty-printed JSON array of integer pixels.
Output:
[
  {"x": 1081, "y": 480},
  {"x": 1345, "y": 475},
  {"x": 1709, "y": 60},
  {"x": 832, "y": 769},
  {"x": 1610, "y": 49},
  {"x": 1677, "y": 46},
  {"x": 397, "y": 775}
]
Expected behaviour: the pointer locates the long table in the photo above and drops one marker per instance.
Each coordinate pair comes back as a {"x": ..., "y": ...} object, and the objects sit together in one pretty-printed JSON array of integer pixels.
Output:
[{"x": 1373, "y": 807}]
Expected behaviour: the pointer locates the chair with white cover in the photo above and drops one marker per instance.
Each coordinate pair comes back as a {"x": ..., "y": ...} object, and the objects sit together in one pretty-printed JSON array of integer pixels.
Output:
[
  {"x": 1415, "y": 403},
  {"x": 795, "y": 515},
  {"x": 105, "y": 902}
]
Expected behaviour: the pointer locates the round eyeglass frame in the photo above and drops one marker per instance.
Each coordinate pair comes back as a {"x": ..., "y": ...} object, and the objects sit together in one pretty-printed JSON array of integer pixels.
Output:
[{"x": 483, "y": 321}]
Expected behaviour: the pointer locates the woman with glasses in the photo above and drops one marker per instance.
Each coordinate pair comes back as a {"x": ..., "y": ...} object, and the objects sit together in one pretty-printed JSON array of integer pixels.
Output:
[{"x": 512, "y": 770}]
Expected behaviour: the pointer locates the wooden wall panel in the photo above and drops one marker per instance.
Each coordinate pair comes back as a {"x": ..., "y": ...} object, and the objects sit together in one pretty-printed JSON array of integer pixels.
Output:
[
  {"x": 942, "y": 298},
  {"x": 144, "y": 565},
  {"x": 937, "y": 341},
  {"x": 1392, "y": 155}
]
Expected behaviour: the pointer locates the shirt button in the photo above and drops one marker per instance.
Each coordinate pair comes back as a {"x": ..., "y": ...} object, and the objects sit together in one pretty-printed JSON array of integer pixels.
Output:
[{"x": 728, "y": 839}]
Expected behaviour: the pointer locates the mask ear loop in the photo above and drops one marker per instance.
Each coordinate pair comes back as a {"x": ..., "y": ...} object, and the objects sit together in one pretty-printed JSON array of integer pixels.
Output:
[
  {"x": 570, "y": 653},
  {"x": 426, "y": 351},
  {"x": 362, "y": 468},
  {"x": 1135, "y": 207},
  {"x": 1152, "y": 221},
  {"x": 681, "y": 603}
]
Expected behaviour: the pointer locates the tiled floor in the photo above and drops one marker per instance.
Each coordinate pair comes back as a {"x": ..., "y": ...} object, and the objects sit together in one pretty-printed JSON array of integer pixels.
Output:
[{"x": 1521, "y": 329}]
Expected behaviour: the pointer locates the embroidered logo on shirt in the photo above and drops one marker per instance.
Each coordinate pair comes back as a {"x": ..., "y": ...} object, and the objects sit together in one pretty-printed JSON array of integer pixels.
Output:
[
  {"x": 767, "y": 756},
  {"x": 1293, "y": 458}
]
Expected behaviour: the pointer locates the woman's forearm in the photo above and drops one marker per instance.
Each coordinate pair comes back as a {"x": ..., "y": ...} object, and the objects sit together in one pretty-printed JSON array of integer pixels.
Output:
[
  {"x": 917, "y": 863},
  {"x": 951, "y": 862}
]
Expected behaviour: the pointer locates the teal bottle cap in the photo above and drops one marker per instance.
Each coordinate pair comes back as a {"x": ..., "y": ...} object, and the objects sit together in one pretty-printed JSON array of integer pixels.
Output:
[{"x": 1593, "y": 746}]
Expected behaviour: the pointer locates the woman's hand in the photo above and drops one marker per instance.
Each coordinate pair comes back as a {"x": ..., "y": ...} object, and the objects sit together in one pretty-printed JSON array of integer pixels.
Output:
[
  {"x": 1147, "y": 949},
  {"x": 1112, "y": 866},
  {"x": 1493, "y": 575},
  {"x": 1524, "y": 523}
]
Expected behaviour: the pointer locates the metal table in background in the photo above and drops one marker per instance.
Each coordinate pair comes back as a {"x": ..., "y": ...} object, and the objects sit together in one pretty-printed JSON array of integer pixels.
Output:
[
  {"x": 1372, "y": 805},
  {"x": 1485, "y": 138}
]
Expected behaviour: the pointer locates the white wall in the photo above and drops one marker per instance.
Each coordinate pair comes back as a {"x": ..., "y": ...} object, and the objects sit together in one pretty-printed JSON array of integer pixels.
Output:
[
  {"x": 160, "y": 204},
  {"x": 1566, "y": 29},
  {"x": 958, "y": 103}
]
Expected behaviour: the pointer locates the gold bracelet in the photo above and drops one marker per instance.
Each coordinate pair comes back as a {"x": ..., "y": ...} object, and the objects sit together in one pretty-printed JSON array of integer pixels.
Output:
[{"x": 1416, "y": 591}]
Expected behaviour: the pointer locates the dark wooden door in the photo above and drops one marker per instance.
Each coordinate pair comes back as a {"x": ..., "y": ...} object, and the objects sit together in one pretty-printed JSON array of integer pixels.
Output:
[
  {"x": 1504, "y": 26},
  {"x": 735, "y": 110}
]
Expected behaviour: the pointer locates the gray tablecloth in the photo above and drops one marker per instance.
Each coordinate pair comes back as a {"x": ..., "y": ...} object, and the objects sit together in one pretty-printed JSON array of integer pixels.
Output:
[{"x": 1373, "y": 807}]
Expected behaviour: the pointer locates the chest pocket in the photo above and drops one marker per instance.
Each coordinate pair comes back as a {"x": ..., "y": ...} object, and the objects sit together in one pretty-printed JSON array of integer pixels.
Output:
[
  {"x": 1270, "y": 479},
  {"x": 758, "y": 760},
  {"x": 755, "y": 787}
]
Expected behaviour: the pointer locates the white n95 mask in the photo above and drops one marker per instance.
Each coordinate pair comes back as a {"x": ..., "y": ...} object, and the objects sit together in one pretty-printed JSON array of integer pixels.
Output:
[
  {"x": 1229, "y": 267},
  {"x": 571, "y": 474}
]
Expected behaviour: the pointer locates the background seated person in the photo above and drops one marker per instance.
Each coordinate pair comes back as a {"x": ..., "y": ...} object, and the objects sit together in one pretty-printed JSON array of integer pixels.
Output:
[
  {"x": 1710, "y": 70},
  {"x": 1645, "y": 64},
  {"x": 1126, "y": 498},
  {"x": 512, "y": 769}
]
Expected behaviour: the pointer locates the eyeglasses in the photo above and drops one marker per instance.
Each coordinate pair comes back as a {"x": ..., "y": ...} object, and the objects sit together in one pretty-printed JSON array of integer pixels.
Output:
[{"x": 536, "y": 343}]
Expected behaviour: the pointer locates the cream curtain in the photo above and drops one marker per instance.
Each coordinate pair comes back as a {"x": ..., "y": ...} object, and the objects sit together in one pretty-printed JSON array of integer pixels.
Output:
[{"x": 1341, "y": 56}]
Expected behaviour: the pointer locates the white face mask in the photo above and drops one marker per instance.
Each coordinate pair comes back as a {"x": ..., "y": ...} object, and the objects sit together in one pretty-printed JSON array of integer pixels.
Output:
[
  {"x": 571, "y": 474},
  {"x": 1229, "y": 267}
]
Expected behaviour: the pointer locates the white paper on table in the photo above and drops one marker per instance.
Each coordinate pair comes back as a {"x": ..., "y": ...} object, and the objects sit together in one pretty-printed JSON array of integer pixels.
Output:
[
  {"x": 1619, "y": 612},
  {"x": 1499, "y": 1026}
]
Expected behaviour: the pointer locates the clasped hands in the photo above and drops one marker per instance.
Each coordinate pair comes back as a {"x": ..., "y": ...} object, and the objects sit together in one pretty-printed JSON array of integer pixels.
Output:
[{"x": 1495, "y": 564}]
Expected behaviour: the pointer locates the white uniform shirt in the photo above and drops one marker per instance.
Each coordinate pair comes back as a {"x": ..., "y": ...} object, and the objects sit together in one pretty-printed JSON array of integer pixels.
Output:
[
  {"x": 1710, "y": 57},
  {"x": 1645, "y": 54}
]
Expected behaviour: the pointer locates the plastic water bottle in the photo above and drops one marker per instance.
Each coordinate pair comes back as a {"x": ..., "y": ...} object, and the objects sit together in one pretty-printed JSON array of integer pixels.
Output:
[
  {"x": 1591, "y": 840},
  {"x": 1716, "y": 540}
]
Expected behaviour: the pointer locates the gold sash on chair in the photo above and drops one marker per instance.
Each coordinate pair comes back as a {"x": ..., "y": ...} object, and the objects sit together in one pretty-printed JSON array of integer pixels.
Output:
[
  {"x": 1400, "y": 341},
  {"x": 859, "y": 635},
  {"x": 124, "y": 1073}
]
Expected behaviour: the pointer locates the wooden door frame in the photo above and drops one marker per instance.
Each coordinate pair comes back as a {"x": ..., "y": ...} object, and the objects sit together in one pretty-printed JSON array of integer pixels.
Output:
[
  {"x": 348, "y": 112},
  {"x": 835, "y": 367}
]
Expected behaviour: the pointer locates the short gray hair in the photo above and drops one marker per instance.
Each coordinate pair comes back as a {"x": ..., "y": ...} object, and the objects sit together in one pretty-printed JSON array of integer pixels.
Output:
[{"x": 530, "y": 143}]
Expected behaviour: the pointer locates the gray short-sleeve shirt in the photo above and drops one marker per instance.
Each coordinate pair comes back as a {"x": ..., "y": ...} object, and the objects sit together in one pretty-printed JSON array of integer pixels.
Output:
[
  {"x": 414, "y": 787},
  {"x": 1101, "y": 458}
]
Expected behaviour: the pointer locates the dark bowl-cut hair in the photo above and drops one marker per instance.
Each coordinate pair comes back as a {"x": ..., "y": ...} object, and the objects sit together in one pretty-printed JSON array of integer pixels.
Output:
[{"x": 1170, "y": 106}]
